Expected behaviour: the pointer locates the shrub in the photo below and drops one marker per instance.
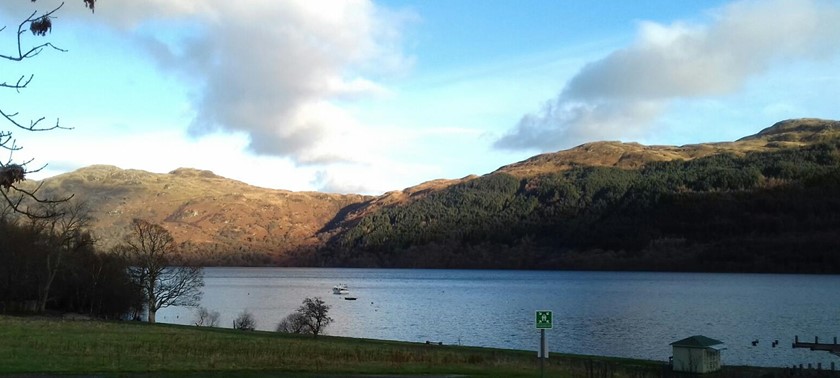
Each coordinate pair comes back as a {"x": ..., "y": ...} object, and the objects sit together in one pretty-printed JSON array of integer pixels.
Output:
[
  {"x": 245, "y": 322},
  {"x": 293, "y": 323},
  {"x": 310, "y": 318},
  {"x": 206, "y": 318}
]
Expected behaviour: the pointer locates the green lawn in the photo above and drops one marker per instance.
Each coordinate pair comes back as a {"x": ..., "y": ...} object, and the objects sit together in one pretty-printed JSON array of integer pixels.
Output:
[{"x": 44, "y": 345}]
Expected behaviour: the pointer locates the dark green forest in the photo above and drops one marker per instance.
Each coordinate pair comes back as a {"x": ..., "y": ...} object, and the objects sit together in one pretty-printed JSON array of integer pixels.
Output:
[{"x": 773, "y": 211}]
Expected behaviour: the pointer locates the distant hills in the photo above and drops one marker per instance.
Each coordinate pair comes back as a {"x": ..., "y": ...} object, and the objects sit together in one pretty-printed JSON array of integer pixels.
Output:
[
  {"x": 767, "y": 202},
  {"x": 215, "y": 220}
]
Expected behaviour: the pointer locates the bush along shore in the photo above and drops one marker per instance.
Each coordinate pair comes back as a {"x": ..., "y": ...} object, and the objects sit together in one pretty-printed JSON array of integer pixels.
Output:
[{"x": 39, "y": 345}]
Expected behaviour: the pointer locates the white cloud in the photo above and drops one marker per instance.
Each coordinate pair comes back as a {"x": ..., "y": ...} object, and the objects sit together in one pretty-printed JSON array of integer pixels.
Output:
[
  {"x": 163, "y": 151},
  {"x": 623, "y": 94},
  {"x": 270, "y": 69},
  {"x": 374, "y": 178},
  {"x": 272, "y": 78}
]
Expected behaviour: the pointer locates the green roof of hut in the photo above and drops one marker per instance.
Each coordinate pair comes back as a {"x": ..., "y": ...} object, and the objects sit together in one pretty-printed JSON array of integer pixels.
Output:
[{"x": 697, "y": 341}]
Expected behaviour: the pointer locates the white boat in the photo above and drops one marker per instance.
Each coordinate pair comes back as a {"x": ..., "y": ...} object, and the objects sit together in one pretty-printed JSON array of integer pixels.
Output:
[{"x": 340, "y": 289}]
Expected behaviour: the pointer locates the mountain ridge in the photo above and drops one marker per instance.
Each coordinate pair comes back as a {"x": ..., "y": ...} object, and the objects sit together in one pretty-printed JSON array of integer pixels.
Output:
[{"x": 221, "y": 221}]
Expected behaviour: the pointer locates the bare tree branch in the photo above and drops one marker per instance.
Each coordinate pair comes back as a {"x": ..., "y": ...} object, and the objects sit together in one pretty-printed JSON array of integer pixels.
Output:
[
  {"x": 20, "y": 83},
  {"x": 16, "y": 201},
  {"x": 33, "y": 18},
  {"x": 26, "y": 201},
  {"x": 33, "y": 125}
]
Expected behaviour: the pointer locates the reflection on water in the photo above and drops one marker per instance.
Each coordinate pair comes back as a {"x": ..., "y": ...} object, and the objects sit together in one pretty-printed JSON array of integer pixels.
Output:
[{"x": 627, "y": 314}]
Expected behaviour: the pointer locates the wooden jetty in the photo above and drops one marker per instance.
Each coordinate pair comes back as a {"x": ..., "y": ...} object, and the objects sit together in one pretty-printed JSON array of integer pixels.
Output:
[{"x": 832, "y": 348}]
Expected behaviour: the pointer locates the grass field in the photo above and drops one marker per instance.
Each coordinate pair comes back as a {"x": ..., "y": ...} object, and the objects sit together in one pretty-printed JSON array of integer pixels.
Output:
[
  {"x": 44, "y": 345},
  {"x": 55, "y": 346}
]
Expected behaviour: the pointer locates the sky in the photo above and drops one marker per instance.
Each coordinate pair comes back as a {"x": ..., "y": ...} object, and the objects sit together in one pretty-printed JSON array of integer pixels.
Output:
[{"x": 361, "y": 96}]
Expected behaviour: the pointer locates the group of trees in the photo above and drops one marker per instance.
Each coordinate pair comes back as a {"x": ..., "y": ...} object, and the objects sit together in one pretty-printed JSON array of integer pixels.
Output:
[
  {"x": 47, "y": 253},
  {"x": 49, "y": 259},
  {"x": 763, "y": 211},
  {"x": 52, "y": 265}
]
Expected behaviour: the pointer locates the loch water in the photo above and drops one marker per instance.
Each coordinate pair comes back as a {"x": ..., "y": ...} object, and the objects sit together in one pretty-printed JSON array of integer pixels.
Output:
[{"x": 623, "y": 314}]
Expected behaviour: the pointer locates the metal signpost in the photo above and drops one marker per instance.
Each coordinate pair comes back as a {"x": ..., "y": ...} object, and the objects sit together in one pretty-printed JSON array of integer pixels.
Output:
[{"x": 543, "y": 321}]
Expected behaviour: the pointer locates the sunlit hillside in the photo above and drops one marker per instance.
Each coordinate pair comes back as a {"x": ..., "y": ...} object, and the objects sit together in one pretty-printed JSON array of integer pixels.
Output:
[{"x": 607, "y": 199}]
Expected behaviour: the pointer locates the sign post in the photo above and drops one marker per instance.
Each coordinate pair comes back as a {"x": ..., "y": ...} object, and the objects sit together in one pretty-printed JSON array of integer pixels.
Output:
[{"x": 542, "y": 322}]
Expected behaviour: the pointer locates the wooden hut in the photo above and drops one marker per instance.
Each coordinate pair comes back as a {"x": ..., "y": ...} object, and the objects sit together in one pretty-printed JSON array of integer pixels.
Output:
[{"x": 696, "y": 354}]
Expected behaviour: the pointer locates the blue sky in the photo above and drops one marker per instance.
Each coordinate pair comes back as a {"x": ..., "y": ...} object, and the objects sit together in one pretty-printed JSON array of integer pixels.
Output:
[{"x": 366, "y": 97}]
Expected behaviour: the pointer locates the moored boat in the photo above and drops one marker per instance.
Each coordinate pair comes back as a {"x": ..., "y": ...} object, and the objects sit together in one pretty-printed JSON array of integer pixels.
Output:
[{"x": 340, "y": 289}]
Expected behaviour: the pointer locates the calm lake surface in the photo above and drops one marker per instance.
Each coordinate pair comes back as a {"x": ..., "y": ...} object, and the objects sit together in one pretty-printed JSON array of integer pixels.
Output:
[{"x": 626, "y": 314}]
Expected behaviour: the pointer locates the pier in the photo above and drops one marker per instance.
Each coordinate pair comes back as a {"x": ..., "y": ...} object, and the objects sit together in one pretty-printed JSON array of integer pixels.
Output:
[{"x": 832, "y": 348}]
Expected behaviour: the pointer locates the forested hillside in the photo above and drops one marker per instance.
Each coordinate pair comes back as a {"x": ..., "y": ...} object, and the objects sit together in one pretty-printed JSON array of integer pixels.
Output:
[
  {"x": 773, "y": 210},
  {"x": 767, "y": 203}
]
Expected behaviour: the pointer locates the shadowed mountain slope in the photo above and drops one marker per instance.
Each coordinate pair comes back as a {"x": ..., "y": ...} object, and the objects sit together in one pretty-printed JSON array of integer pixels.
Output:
[{"x": 601, "y": 205}]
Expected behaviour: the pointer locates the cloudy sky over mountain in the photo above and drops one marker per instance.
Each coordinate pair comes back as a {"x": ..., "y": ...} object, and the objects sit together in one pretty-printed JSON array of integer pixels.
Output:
[{"x": 364, "y": 96}]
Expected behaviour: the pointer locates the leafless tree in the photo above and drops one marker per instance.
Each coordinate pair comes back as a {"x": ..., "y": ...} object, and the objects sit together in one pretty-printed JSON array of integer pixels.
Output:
[
  {"x": 245, "y": 322},
  {"x": 206, "y": 318},
  {"x": 314, "y": 312},
  {"x": 62, "y": 234},
  {"x": 150, "y": 250},
  {"x": 12, "y": 172}
]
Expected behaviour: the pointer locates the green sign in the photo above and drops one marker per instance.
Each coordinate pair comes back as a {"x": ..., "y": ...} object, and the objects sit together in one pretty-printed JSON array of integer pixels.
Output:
[{"x": 543, "y": 320}]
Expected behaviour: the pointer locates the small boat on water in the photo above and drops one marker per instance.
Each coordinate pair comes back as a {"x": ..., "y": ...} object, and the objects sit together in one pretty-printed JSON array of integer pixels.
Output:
[
  {"x": 349, "y": 298},
  {"x": 340, "y": 289}
]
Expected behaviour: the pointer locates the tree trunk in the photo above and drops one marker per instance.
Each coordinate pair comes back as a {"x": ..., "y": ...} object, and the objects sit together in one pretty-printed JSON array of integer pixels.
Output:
[
  {"x": 44, "y": 292},
  {"x": 152, "y": 311},
  {"x": 43, "y": 295}
]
